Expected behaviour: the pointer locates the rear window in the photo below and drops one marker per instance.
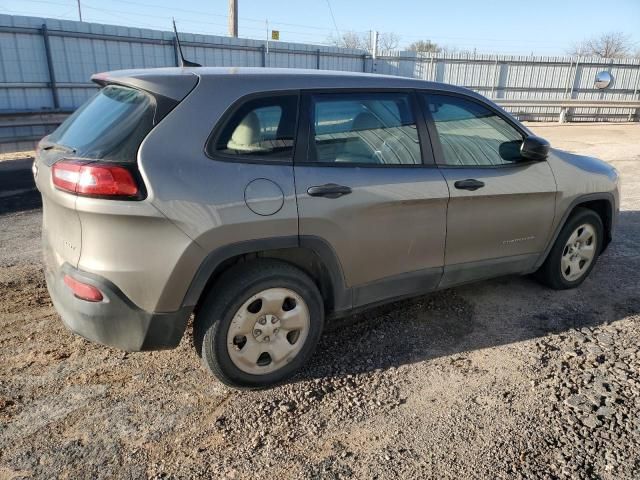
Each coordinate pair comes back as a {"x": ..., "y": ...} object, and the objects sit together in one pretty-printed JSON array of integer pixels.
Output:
[{"x": 110, "y": 126}]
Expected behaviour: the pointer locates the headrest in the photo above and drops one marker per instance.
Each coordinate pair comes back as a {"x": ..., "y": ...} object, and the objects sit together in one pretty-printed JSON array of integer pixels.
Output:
[{"x": 246, "y": 136}]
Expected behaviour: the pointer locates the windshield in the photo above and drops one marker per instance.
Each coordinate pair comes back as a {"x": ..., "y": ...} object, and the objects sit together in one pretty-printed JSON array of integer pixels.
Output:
[{"x": 110, "y": 126}]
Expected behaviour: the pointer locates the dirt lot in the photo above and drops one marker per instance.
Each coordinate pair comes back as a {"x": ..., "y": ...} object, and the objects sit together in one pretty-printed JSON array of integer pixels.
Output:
[{"x": 499, "y": 379}]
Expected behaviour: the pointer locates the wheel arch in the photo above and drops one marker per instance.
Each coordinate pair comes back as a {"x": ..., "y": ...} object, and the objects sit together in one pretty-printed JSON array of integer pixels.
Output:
[
  {"x": 311, "y": 254},
  {"x": 605, "y": 210},
  {"x": 602, "y": 204}
]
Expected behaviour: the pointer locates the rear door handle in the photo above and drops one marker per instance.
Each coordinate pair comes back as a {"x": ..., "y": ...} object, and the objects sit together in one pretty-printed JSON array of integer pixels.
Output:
[
  {"x": 329, "y": 190},
  {"x": 469, "y": 184}
]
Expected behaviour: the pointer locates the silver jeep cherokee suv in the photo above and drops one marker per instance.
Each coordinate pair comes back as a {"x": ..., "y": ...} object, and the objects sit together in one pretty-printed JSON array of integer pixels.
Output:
[{"x": 266, "y": 200}]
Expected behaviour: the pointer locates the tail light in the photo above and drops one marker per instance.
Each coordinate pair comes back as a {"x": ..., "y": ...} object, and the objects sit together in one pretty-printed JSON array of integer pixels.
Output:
[
  {"x": 94, "y": 179},
  {"x": 83, "y": 291}
]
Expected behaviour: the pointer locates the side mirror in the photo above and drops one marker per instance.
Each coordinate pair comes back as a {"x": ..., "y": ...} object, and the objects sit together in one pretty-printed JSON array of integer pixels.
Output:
[{"x": 534, "y": 148}]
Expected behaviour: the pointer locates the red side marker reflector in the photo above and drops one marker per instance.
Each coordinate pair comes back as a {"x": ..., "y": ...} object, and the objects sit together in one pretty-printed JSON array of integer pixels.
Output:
[
  {"x": 94, "y": 179},
  {"x": 82, "y": 290}
]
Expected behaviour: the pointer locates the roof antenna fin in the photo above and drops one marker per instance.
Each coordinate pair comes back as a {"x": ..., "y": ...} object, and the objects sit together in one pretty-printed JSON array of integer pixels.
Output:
[{"x": 183, "y": 61}]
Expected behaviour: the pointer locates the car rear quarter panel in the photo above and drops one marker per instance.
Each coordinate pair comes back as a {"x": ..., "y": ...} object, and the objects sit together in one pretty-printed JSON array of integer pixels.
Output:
[
  {"x": 133, "y": 245},
  {"x": 203, "y": 197}
]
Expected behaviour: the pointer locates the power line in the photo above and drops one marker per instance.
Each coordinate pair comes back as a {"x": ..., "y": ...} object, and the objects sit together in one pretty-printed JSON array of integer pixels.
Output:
[
  {"x": 201, "y": 13},
  {"x": 171, "y": 12},
  {"x": 308, "y": 37},
  {"x": 333, "y": 18},
  {"x": 185, "y": 19},
  {"x": 219, "y": 32},
  {"x": 22, "y": 12}
]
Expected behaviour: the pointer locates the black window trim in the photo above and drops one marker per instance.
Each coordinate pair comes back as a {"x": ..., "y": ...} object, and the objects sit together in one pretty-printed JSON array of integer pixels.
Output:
[
  {"x": 433, "y": 133},
  {"x": 163, "y": 105},
  {"x": 212, "y": 139},
  {"x": 305, "y": 127}
]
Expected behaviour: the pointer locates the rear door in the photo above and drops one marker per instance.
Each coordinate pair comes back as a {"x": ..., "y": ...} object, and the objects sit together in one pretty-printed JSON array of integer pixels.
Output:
[
  {"x": 367, "y": 187},
  {"x": 501, "y": 207}
]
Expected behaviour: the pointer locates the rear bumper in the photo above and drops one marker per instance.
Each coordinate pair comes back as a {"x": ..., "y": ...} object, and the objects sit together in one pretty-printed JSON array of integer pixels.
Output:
[{"x": 115, "y": 321}]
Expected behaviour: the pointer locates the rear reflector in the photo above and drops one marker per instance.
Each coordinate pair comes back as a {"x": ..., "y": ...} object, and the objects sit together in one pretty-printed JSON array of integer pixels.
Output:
[
  {"x": 94, "y": 179},
  {"x": 82, "y": 290}
]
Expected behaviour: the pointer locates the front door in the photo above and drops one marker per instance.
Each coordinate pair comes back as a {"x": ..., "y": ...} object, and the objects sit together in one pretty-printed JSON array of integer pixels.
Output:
[
  {"x": 501, "y": 208},
  {"x": 363, "y": 188}
]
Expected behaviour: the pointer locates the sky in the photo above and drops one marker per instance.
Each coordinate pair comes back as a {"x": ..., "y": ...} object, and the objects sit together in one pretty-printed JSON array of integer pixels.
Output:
[{"x": 541, "y": 27}]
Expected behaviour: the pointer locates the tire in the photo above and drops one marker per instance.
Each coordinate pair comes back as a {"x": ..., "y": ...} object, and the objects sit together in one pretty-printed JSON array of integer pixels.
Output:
[
  {"x": 551, "y": 272},
  {"x": 230, "y": 338}
]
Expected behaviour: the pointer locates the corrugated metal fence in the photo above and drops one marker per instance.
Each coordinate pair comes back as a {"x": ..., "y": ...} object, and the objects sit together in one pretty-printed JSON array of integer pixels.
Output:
[
  {"x": 502, "y": 77},
  {"x": 45, "y": 65}
]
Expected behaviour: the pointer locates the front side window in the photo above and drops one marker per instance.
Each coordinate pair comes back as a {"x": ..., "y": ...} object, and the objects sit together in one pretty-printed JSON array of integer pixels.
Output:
[
  {"x": 471, "y": 134},
  {"x": 364, "y": 128},
  {"x": 261, "y": 128}
]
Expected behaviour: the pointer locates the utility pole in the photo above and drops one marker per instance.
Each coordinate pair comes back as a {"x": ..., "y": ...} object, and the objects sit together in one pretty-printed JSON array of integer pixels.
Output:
[
  {"x": 266, "y": 52},
  {"x": 374, "y": 45},
  {"x": 79, "y": 10},
  {"x": 374, "y": 52},
  {"x": 233, "y": 18}
]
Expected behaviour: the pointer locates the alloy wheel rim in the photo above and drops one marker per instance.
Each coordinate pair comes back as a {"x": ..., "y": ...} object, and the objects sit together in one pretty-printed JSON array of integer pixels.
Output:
[
  {"x": 578, "y": 252},
  {"x": 268, "y": 331}
]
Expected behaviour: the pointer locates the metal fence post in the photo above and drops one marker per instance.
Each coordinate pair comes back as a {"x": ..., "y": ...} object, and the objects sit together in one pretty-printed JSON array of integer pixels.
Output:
[
  {"x": 264, "y": 55},
  {"x": 562, "y": 118},
  {"x": 635, "y": 92},
  {"x": 566, "y": 84},
  {"x": 575, "y": 77},
  {"x": 52, "y": 74},
  {"x": 419, "y": 66},
  {"x": 567, "y": 113},
  {"x": 318, "y": 59},
  {"x": 496, "y": 78}
]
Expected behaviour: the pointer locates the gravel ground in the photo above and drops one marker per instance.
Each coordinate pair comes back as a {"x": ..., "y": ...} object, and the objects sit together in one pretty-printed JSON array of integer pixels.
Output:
[{"x": 501, "y": 379}]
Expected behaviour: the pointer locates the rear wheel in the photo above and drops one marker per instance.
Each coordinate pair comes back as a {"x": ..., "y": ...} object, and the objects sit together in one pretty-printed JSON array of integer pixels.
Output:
[
  {"x": 575, "y": 252},
  {"x": 259, "y": 324}
]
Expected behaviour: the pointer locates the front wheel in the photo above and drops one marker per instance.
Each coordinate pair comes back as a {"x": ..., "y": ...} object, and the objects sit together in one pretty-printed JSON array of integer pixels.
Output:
[
  {"x": 575, "y": 252},
  {"x": 259, "y": 324}
]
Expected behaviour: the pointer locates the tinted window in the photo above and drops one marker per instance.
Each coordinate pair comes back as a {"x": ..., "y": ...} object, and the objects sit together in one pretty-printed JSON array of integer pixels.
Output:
[
  {"x": 110, "y": 126},
  {"x": 471, "y": 134},
  {"x": 367, "y": 128},
  {"x": 263, "y": 127}
]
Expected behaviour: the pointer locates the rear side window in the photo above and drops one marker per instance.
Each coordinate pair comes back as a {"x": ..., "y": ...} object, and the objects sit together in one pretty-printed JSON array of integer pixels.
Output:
[
  {"x": 262, "y": 128},
  {"x": 471, "y": 134},
  {"x": 110, "y": 126},
  {"x": 365, "y": 128}
]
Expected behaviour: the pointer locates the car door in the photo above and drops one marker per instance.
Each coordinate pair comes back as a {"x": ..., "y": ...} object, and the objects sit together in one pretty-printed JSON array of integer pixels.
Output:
[
  {"x": 365, "y": 187},
  {"x": 501, "y": 207}
]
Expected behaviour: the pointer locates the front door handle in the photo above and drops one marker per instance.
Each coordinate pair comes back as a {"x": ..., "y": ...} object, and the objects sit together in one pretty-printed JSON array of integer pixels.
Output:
[
  {"x": 469, "y": 184},
  {"x": 329, "y": 190}
]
